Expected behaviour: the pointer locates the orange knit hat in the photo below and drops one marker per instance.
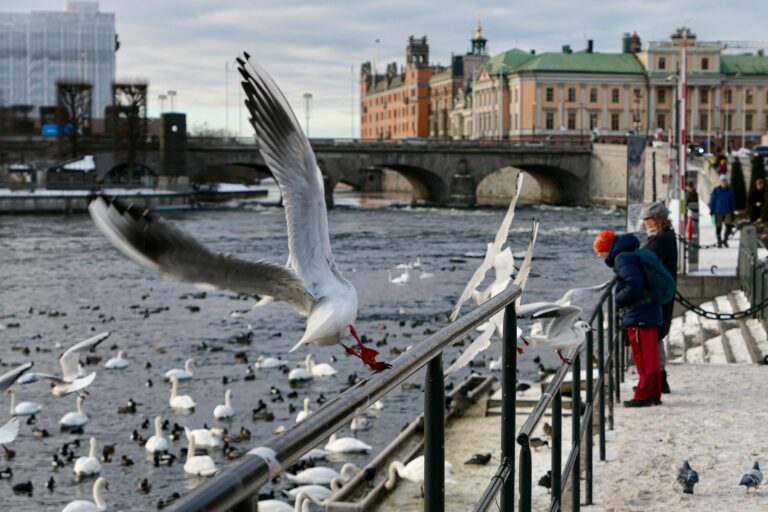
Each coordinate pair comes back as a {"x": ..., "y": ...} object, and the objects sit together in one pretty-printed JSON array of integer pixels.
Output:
[{"x": 604, "y": 240}]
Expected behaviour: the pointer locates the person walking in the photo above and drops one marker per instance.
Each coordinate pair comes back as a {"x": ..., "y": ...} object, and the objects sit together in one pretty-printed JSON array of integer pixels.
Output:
[
  {"x": 662, "y": 241},
  {"x": 756, "y": 200},
  {"x": 723, "y": 167},
  {"x": 692, "y": 208},
  {"x": 721, "y": 205},
  {"x": 640, "y": 315}
]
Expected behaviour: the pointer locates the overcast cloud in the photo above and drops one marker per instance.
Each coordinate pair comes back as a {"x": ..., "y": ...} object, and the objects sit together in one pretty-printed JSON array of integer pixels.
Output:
[{"x": 317, "y": 47}]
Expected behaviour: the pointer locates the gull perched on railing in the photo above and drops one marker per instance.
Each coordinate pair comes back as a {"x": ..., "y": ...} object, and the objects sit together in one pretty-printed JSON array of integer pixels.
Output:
[
  {"x": 311, "y": 282},
  {"x": 492, "y": 251}
]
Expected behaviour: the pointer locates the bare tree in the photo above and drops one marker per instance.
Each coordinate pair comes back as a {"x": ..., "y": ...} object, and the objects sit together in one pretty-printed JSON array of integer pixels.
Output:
[
  {"x": 73, "y": 114},
  {"x": 129, "y": 124}
]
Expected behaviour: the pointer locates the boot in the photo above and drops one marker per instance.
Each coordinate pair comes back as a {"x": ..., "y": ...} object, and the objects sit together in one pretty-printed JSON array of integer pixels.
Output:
[{"x": 664, "y": 383}]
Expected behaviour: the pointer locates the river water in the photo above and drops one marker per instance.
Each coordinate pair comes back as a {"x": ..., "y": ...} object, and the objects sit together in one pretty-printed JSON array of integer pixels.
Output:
[{"x": 62, "y": 282}]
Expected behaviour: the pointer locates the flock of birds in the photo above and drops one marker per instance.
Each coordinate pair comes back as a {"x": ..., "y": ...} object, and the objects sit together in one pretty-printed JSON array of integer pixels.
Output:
[{"x": 312, "y": 284}]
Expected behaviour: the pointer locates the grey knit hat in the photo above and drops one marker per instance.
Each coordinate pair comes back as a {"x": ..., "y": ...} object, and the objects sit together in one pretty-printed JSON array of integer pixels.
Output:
[{"x": 657, "y": 209}]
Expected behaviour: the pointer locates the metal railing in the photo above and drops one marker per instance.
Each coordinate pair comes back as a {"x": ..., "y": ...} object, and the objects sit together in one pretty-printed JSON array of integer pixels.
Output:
[
  {"x": 237, "y": 486},
  {"x": 752, "y": 273},
  {"x": 582, "y": 424}
]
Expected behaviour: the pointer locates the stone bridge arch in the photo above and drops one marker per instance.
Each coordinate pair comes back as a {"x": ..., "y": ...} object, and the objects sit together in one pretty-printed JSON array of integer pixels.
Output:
[{"x": 234, "y": 172}]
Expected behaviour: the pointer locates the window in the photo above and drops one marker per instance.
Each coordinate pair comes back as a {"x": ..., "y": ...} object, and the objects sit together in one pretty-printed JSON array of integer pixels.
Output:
[
  {"x": 593, "y": 95},
  {"x": 662, "y": 63},
  {"x": 615, "y": 95},
  {"x": 571, "y": 94},
  {"x": 550, "y": 94},
  {"x": 749, "y": 96},
  {"x": 748, "y": 122},
  {"x": 571, "y": 120},
  {"x": 661, "y": 120},
  {"x": 615, "y": 120},
  {"x": 549, "y": 121},
  {"x": 661, "y": 95},
  {"x": 705, "y": 63},
  {"x": 728, "y": 96},
  {"x": 703, "y": 120},
  {"x": 592, "y": 120},
  {"x": 728, "y": 121},
  {"x": 704, "y": 96}
]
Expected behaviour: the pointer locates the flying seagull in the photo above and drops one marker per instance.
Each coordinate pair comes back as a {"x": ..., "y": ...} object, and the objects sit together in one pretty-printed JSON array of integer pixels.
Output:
[
  {"x": 753, "y": 478},
  {"x": 311, "y": 282},
  {"x": 564, "y": 331},
  {"x": 687, "y": 477},
  {"x": 8, "y": 378},
  {"x": 69, "y": 382}
]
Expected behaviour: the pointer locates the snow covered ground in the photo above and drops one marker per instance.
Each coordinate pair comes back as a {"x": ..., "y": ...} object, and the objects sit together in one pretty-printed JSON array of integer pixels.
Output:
[{"x": 715, "y": 417}]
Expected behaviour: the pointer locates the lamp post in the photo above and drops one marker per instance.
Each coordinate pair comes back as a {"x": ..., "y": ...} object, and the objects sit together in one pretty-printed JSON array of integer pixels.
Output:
[
  {"x": 581, "y": 121},
  {"x": 744, "y": 118},
  {"x": 171, "y": 95},
  {"x": 81, "y": 58},
  {"x": 533, "y": 119},
  {"x": 637, "y": 112},
  {"x": 307, "y": 98},
  {"x": 162, "y": 99}
]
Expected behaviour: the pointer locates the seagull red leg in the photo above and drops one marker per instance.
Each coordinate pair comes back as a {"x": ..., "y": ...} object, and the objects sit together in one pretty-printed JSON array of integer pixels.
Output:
[
  {"x": 563, "y": 358},
  {"x": 368, "y": 355},
  {"x": 520, "y": 350}
]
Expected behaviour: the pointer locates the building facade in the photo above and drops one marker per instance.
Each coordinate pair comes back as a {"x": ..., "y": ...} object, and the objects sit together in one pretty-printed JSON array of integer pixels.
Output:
[{"x": 41, "y": 47}]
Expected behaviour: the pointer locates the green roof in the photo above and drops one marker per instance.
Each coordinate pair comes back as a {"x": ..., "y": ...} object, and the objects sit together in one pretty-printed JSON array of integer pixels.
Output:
[
  {"x": 582, "y": 62},
  {"x": 744, "y": 64},
  {"x": 511, "y": 60}
]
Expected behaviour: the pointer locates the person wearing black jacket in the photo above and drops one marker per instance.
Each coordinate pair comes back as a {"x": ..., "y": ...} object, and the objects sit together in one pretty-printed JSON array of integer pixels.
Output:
[
  {"x": 662, "y": 241},
  {"x": 756, "y": 200}
]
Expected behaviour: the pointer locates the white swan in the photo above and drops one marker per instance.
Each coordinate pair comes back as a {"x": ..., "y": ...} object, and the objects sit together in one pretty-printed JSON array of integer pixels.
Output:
[
  {"x": 225, "y": 411},
  {"x": 157, "y": 443},
  {"x": 90, "y": 465},
  {"x": 374, "y": 411},
  {"x": 204, "y": 437},
  {"x": 117, "y": 363},
  {"x": 318, "y": 492},
  {"x": 183, "y": 402},
  {"x": 413, "y": 471},
  {"x": 97, "y": 505},
  {"x": 360, "y": 423},
  {"x": 267, "y": 363},
  {"x": 74, "y": 419},
  {"x": 185, "y": 374},
  {"x": 200, "y": 465},
  {"x": 70, "y": 381},
  {"x": 322, "y": 475},
  {"x": 495, "y": 365},
  {"x": 311, "y": 283},
  {"x": 23, "y": 408},
  {"x": 300, "y": 374},
  {"x": 314, "y": 453},
  {"x": 302, "y": 415},
  {"x": 401, "y": 279},
  {"x": 346, "y": 445},
  {"x": 319, "y": 369},
  {"x": 275, "y": 506},
  {"x": 426, "y": 275}
]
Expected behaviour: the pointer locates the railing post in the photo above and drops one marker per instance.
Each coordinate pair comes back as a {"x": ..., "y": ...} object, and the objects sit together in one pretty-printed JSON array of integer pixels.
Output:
[
  {"x": 620, "y": 343},
  {"x": 588, "y": 366},
  {"x": 508, "y": 384},
  {"x": 557, "y": 448},
  {"x": 575, "y": 432},
  {"x": 525, "y": 478},
  {"x": 250, "y": 504},
  {"x": 434, "y": 436},
  {"x": 601, "y": 365}
]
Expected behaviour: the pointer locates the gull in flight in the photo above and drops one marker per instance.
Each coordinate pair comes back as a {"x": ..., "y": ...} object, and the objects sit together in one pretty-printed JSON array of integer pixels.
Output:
[
  {"x": 69, "y": 382},
  {"x": 10, "y": 430},
  {"x": 564, "y": 330},
  {"x": 311, "y": 282},
  {"x": 502, "y": 267}
]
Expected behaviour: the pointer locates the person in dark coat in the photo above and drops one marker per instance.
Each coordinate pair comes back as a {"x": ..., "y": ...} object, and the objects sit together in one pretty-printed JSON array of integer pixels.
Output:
[
  {"x": 756, "y": 200},
  {"x": 640, "y": 316},
  {"x": 663, "y": 242},
  {"x": 722, "y": 206},
  {"x": 692, "y": 209}
]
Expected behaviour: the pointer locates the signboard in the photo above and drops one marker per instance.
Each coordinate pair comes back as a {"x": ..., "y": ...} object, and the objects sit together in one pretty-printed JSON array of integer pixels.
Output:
[
  {"x": 50, "y": 130},
  {"x": 635, "y": 182}
]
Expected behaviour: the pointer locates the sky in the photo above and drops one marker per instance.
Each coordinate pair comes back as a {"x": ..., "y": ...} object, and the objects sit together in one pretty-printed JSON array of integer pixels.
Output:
[{"x": 317, "y": 47}]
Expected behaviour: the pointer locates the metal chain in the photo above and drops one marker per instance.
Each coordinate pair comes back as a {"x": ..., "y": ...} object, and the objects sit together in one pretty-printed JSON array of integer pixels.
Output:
[
  {"x": 694, "y": 245},
  {"x": 711, "y": 315}
]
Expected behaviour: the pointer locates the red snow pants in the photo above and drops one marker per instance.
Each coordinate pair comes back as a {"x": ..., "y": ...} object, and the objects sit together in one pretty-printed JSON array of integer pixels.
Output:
[{"x": 645, "y": 352}]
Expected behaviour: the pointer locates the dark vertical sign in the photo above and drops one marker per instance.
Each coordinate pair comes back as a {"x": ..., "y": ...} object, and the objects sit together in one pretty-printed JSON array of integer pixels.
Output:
[{"x": 635, "y": 182}]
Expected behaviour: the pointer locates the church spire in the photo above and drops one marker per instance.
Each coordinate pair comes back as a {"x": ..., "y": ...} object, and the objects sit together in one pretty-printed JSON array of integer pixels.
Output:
[{"x": 478, "y": 41}]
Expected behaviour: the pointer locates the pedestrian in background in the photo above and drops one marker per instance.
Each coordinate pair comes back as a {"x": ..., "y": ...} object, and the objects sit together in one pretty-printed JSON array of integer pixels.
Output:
[
  {"x": 663, "y": 242},
  {"x": 723, "y": 167},
  {"x": 692, "y": 208},
  {"x": 722, "y": 206},
  {"x": 756, "y": 200},
  {"x": 640, "y": 316}
]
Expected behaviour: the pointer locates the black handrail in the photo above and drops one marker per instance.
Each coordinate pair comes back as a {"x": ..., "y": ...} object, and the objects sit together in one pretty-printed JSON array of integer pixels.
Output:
[{"x": 237, "y": 486}]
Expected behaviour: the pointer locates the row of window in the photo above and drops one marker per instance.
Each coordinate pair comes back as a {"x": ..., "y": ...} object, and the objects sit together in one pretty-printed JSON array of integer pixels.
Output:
[
  {"x": 549, "y": 94},
  {"x": 661, "y": 63}
]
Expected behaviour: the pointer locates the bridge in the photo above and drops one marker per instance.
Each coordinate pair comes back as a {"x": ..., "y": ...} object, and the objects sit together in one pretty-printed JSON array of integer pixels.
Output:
[{"x": 440, "y": 172}]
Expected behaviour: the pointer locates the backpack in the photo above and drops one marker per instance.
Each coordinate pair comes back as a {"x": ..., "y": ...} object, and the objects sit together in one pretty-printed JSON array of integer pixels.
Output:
[{"x": 660, "y": 283}]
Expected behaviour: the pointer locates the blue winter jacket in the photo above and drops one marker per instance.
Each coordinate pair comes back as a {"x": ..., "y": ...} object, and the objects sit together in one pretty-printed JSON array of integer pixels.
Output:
[
  {"x": 721, "y": 201},
  {"x": 636, "y": 311}
]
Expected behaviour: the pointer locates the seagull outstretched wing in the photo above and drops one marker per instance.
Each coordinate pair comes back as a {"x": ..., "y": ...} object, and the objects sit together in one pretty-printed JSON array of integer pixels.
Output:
[
  {"x": 9, "y": 431},
  {"x": 8, "y": 378},
  {"x": 70, "y": 358}
]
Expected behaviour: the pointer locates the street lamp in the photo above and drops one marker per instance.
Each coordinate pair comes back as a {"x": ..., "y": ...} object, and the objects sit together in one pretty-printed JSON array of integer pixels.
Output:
[
  {"x": 581, "y": 121},
  {"x": 307, "y": 98},
  {"x": 533, "y": 119},
  {"x": 637, "y": 112},
  {"x": 171, "y": 95},
  {"x": 81, "y": 59},
  {"x": 162, "y": 99}
]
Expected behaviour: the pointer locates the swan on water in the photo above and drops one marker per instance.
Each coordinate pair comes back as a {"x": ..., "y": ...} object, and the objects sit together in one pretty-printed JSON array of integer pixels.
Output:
[
  {"x": 69, "y": 382},
  {"x": 403, "y": 278},
  {"x": 413, "y": 471},
  {"x": 23, "y": 408},
  {"x": 199, "y": 465},
  {"x": 302, "y": 415},
  {"x": 318, "y": 492},
  {"x": 205, "y": 437},
  {"x": 90, "y": 465},
  {"x": 322, "y": 475},
  {"x": 346, "y": 445},
  {"x": 157, "y": 443},
  {"x": 360, "y": 423},
  {"x": 300, "y": 374},
  {"x": 319, "y": 369},
  {"x": 225, "y": 411},
  {"x": 185, "y": 374},
  {"x": 181, "y": 402},
  {"x": 74, "y": 419},
  {"x": 97, "y": 505},
  {"x": 117, "y": 363},
  {"x": 267, "y": 363},
  {"x": 311, "y": 282}
]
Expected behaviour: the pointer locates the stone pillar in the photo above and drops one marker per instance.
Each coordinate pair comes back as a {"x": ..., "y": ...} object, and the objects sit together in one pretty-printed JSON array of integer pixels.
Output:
[
  {"x": 328, "y": 185},
  {"x": 173, "y": 151},
  {"x": 462, "y": 187}
]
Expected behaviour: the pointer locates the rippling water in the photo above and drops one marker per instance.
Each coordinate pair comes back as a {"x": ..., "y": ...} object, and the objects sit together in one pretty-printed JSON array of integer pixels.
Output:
[{"x": 62, "y": 282}]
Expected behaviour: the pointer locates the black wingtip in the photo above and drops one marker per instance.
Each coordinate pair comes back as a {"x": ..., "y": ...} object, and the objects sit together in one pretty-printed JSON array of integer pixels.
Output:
[
  {"x": 247, "y": 55},
  {"x": 240, "y": 61}
]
